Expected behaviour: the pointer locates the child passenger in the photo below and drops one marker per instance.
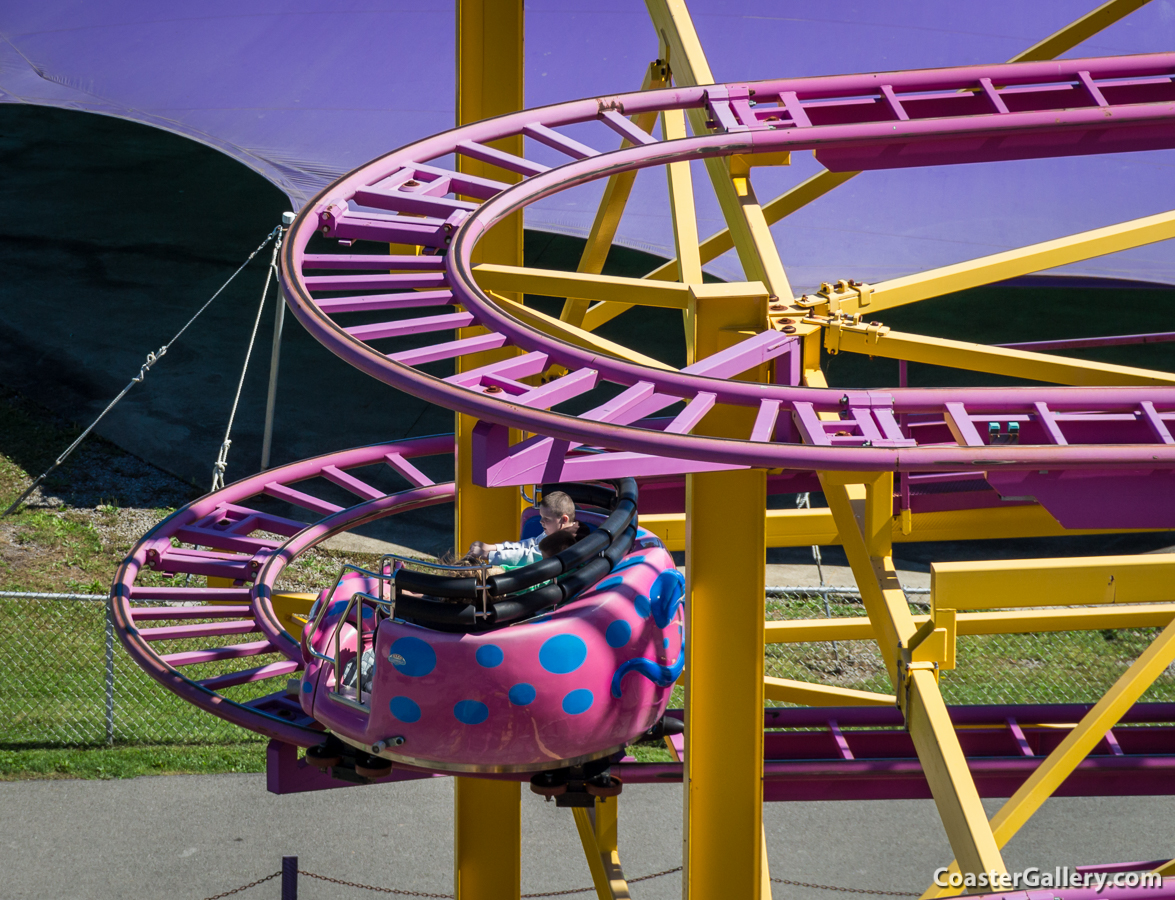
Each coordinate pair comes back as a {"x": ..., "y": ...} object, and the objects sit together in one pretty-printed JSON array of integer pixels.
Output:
[{"x": 556, "y": 512}]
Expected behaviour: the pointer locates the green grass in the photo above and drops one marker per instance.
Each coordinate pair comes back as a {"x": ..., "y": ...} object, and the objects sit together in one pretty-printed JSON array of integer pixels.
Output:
[{"x": 131, "y": 761}]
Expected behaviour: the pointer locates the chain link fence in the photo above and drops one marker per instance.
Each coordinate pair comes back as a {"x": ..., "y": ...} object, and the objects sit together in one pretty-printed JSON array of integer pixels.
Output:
[{"x": 69, "y": 683}]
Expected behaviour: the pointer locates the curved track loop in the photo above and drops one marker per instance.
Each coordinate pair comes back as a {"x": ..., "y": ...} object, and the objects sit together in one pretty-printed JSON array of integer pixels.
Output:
[
  {"x": 235, "y": 534},
  {"x": 393, "y": 316}
]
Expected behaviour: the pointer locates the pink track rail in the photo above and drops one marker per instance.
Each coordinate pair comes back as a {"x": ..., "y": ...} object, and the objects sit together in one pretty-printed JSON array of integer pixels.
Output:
[{"x": 393, "y": 326}]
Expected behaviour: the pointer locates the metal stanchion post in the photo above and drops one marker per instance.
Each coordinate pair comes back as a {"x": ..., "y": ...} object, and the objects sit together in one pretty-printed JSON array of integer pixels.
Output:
[
  {"x": 289, "y": 878},
  {"x": 109, "y": 676}
]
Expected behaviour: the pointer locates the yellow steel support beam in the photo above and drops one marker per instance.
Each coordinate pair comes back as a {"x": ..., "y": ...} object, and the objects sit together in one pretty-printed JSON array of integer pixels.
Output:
[
  {"x": 1076, "y": 32},
  {"x": 1009, "y": 264},
  {"x": 725, "y": 556},
  {"x": 998, "y": 584},
  {"x": 864, "y": 520},
  {"x": 785, "y": 690},
  {"x": 804, "y": 527},
  {"x": 487, "y": 830},
  {"x": 551, "y": 283},
  {"x": 681, "y": 204},
  {"x": 597, "y": 834},
  {"x": 1078, "y": 743},
  {"x": 568, "y": 332},
  {"x": 873, "y": 340},
  {"x": 1020, "y": 621},
  {"x": 725, "y": 581},
  {"x": 612, "y": 204},
  {"x": 740, "y": 208}
]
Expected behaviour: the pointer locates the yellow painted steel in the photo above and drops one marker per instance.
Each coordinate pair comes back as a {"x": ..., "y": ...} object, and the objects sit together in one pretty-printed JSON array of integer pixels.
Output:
[
  {"x": 725, "y": 580},
  {"x": 1082, "y": 29},
  {"x": 597, "y": 828},
  {"x": 612, "y": 204},
  {"x": 567, "y": 332},
  {"x": 1167, "y": 869},
  {"x": 859, "y": 628},
  {"x": 785, "y": 690},
  {"x": 681, "y": 204},
  {"x": 1078, "y": 743},
  {"x": 291, "y": 609},
  {"x": 552, "y": 283},
  {"x": 487, "y": 842},
  {"x": 864, "y": 518},
  {"x": 725, "y": 573},
  {"x": 803, "y": 527},
  {"x": 740, "y": 208},
  {"x": 874, "y": 340},
  {"x": 765, "y": 868},
  {"x": 1076, "y": 581},
  {"x": 1009, "y": 264}
]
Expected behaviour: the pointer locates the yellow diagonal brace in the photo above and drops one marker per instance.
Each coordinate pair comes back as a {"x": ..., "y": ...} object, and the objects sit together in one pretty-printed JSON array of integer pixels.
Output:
[
  {"x": 681, "y": 203},
  {"x": 564, "y": 331},
  {"x": 597, "y": 834},
  {"x": 1013, "y": 263},
  {"x": 612, "y": 204},
  {"x": 1076, "y": 32},
  {"x": 551, "y": 283},
  {"x": 1079, "y": 742},
  {"x": 863, "y": 518},
  {"x": 785, "y": 690},
  {"x": 741, "y": 210},
  {"x": 983, "y": 358},
  {"x": 999, "y": 584}
]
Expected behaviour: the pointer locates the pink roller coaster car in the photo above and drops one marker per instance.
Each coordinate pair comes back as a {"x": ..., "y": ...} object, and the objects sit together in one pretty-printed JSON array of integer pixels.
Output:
[{"x": 550, "y": 668}]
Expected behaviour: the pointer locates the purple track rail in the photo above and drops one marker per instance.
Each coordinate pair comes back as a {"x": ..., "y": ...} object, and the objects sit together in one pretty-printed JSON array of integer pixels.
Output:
[
  {"x": 226, "y": 535},
  {"x": 864, "y": 121}
]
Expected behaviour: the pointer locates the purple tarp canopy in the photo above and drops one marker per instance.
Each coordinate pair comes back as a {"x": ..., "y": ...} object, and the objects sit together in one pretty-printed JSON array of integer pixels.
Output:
[{"x": 303, "y": 92}]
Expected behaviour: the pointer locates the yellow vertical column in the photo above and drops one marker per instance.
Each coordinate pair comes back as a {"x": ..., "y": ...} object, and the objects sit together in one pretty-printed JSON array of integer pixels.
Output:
[
  {"x": 486, "y": 815},
  {"x": 725, "y": 574}
]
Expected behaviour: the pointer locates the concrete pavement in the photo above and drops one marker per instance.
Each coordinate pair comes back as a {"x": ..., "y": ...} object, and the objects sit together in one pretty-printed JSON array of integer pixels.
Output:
[{"x": 189, "y": 837}]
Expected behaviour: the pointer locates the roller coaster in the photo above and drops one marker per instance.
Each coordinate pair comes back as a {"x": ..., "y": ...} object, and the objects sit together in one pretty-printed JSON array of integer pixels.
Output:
[{"x": 399, "y": 269}]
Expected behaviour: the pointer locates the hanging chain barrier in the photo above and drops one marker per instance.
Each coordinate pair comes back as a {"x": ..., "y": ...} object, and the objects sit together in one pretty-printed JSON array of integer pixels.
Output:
[
  {"x": 222, "y": 457},
  {"x": 245, "y": 887},
  {"x": 152, "y": 358},
  {"x": 584, "y": 890}
]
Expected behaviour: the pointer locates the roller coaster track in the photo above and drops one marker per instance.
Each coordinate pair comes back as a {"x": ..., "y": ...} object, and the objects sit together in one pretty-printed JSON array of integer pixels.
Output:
[
  {"x": 244, "y": 536},
  {"x": 393, "y": 316}
]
